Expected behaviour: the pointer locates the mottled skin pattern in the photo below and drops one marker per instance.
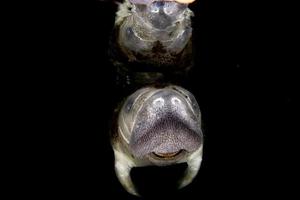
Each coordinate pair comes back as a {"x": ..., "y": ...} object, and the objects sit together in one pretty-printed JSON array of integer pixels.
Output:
[
  {"x": 144, "y": 54},
  {"x": 157, "y": 126}
]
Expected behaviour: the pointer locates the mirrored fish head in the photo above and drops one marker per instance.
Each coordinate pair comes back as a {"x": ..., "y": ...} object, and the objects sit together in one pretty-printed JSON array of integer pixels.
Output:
[
  {"x": 159, "y": 14},
  {"x": 147, "y": 29}
]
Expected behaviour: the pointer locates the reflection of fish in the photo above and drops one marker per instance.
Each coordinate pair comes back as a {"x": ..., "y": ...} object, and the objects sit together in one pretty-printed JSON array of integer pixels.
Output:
[
  {"x": 157, "y": 126},
  {"x": 152, "y": 36}
]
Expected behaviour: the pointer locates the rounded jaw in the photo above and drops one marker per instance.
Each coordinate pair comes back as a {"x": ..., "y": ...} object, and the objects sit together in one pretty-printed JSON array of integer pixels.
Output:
[{"x": 161, "y": 125}]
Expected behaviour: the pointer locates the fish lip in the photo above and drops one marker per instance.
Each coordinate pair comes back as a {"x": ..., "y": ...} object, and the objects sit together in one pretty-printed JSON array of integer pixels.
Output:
[
  {"x": 154, "y": 151},
  {"x": 167, "y": 155},
  {"x": 165, "y": 161}
]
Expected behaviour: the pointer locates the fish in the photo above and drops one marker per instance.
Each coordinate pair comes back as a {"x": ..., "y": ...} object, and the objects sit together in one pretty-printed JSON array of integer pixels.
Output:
[
  {"x": 157, "y": 126},
  {"x": 152, "y": 37}
]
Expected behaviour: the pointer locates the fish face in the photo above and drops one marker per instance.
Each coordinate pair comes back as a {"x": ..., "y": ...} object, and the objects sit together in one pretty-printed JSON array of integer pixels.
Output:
[
  {"x": 158, "y": 126},
  {"x": 162, "y": 126},
  {"x": 146, "y": 27}
]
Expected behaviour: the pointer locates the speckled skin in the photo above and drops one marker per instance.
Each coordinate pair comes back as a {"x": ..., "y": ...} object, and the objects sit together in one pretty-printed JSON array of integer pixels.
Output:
[
  {"x": 154, "y": 121},
  {"x": 143, "y": 54}
]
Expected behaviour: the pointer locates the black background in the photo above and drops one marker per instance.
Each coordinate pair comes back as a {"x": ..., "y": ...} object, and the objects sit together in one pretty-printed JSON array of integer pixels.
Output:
[{"x": 243, "y": 81}]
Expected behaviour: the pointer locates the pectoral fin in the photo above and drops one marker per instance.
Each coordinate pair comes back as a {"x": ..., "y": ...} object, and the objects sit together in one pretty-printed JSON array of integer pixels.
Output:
[
  {"x": 123, "y": 165},
  {"x": 194, "y": 163}
]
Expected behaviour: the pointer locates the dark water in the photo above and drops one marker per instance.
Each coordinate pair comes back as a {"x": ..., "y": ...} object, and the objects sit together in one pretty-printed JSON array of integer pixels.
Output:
[{"x": 242, "y": 83}]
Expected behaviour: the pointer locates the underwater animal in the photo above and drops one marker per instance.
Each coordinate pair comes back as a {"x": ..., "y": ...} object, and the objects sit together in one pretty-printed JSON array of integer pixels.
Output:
[
  {"x": 152, "y": 41},
  {"x": 157, "y": 126}
]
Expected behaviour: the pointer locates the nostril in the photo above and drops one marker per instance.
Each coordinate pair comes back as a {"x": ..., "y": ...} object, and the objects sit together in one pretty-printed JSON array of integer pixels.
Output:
[
  {"x": 159, "y": 102},
  {"x": 175, "y": 101}
]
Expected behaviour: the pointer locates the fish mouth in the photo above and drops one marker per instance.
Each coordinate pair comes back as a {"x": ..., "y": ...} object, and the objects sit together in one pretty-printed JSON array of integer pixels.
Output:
[
  {"x": 167, "y": 155},
  {"x": 167, "y": 138},
  {"x": 165, "y": 125}
]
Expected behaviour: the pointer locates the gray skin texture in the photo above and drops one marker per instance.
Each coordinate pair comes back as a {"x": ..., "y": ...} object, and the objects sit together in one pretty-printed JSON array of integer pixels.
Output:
[
  {"x": 150, "y": 29},
  {"x": 158, "y": 127}
]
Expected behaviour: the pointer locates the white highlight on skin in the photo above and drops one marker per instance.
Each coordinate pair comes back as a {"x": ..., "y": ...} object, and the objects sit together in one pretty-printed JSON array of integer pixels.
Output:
[
  {"x": 191, "y": 108},
  {"x": 159, "y": 102},
  {"x": 169, "y": 8},
  {"x": 177, "y": 102},
  {"x": 154, "y": 9},
  {"x": 152, "y": 110},
  {"x": 122, "y": 134},
  {"x": 189, "y": 103}
]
